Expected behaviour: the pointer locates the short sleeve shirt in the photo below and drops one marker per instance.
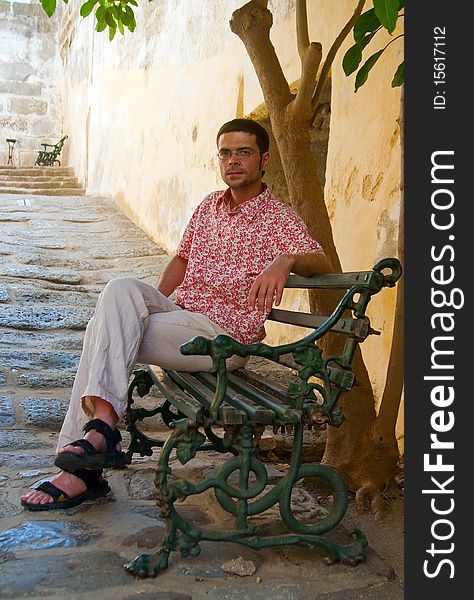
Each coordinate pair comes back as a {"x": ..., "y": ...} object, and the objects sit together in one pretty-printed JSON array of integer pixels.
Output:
[{"x": 227, "y": 248}]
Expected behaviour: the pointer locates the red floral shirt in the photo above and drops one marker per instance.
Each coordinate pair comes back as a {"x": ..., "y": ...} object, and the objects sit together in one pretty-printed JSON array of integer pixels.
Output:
[{"x": 227, "y": 248}]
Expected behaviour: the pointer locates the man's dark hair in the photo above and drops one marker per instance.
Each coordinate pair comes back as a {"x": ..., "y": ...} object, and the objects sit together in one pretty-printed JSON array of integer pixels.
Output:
[{"x": 248, "y": 126}]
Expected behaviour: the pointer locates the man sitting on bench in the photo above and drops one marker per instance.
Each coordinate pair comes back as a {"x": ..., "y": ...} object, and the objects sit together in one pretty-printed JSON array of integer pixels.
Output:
[{"x": 230, "y": 268}]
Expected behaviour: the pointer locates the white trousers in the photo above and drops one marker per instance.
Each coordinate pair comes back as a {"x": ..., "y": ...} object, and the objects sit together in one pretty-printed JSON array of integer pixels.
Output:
[{"x": 133, "y": 322}]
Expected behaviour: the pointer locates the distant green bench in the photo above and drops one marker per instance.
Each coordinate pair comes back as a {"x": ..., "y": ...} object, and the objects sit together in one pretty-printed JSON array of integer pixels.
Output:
[
  {"x": 49, "y": 158},
  {"x": 229, "y": 412}
]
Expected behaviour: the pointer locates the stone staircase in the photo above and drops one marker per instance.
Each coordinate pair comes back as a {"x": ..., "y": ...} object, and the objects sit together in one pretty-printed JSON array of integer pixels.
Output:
[{"x": 45, "y": 181}]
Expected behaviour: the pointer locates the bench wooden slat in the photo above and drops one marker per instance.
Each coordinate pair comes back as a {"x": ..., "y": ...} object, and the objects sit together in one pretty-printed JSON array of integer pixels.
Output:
[
  {"x": 205, "y": 395},
  {"x": 201, "y": 392},
  {"x": 247, "y": 388},
  {"x": 264, "y": 384},
  {"x": 255, "y": 412},
  {"x": 344, "y": 378},
  {"x": 352, "y": 327},
  {"x": 181, "y": 400},
  {"x": 371, "y": 280}
]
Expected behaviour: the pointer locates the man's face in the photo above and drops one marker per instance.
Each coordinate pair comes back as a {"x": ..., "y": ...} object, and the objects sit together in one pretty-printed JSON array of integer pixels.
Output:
[{"x": 241, "y": 171}]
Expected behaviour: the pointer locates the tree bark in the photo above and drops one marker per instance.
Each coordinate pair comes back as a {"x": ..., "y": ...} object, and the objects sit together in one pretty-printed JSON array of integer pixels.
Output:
[{"x": 390, "y": 403}]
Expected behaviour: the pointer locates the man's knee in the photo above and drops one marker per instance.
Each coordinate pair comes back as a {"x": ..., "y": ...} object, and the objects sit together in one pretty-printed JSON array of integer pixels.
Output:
[{"x": 120, "y": 286}]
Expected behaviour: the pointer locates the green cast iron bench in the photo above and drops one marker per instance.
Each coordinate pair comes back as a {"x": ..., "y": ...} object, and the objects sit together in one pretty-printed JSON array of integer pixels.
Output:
[
  {"x": 228, "y": 412},
  {"x": 49, "y": 158}
]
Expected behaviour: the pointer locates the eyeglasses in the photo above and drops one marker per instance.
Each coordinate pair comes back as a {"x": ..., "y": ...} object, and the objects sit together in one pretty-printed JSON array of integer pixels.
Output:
[{"x": 241, "y": 153}]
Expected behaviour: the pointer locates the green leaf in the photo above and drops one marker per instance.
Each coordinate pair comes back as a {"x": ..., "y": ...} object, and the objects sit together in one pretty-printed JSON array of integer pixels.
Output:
[
  {"x": 99, "y": 14},
  {"x": 125, "y": 18},
  {"x": 112, "y": 32},
  {"x": 120, "y": 26},
  {"x": 133, "y": 2},
  {"x": 366, "y": 23},
  {"x": 49, "y": 6},
  {"x": 399, "y": 77},
  {"x": 87, "y": 8},
  {"x": 387, "y": 12},
  {"x": 109, "y": 19},
  {"x": 353, "y": 56},
  {"x": 129, "y": 19},
  {"x": 352, "y": 59},
  {"x": 363, "y": 72}
]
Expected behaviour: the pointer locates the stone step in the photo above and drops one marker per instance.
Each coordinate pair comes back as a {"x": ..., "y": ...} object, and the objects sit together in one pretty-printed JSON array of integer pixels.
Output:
[
  {"x": 43, "y": 192},
  {"x": 37, "y": 171},
  {"x": 21, "y": 177},
  {"x": 49, "y": 181},
  {"x": 48, "y": 184},
  {"x": 37, "y": 178}
]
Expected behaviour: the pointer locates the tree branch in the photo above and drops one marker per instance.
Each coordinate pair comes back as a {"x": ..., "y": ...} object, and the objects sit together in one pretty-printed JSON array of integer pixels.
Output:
[
  {"x": 252, "y": 23},
  {"x": 302, "y": 33},
  {"x": 332, "y": 54},
  {"x": 310, "y": 65}
]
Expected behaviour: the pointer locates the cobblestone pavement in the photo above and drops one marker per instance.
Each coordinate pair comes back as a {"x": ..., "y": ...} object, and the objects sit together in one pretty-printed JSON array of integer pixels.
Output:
[{"x": 56, "y": 254}]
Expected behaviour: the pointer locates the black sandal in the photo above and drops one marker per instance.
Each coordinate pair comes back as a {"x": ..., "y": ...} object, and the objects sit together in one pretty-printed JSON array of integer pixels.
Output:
[
  {"x": 91, "y": 459},
  {"x": 97, "y": 487}
]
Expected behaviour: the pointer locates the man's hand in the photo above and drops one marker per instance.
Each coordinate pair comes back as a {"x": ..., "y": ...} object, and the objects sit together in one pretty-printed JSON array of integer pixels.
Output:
[{"x": 267, "y": 288}]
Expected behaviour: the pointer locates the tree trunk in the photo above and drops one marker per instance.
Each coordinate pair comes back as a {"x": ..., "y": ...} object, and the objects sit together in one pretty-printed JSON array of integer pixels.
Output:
[
  {"x": 366, "y": 463},
  {"x": 390, "y": 404}
]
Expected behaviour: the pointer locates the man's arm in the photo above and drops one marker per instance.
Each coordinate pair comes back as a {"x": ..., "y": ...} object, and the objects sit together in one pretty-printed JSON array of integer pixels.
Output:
[
  {"x": 268, "y": 287},
  {"x": 172, "y": 275}
]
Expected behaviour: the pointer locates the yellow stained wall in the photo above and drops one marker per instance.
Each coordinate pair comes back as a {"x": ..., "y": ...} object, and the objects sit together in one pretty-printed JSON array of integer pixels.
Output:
[{"x": 142, "y": 113}]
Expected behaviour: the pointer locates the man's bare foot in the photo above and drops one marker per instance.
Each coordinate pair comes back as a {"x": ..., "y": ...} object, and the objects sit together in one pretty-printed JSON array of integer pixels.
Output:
[{"x": 67, "y": 482}]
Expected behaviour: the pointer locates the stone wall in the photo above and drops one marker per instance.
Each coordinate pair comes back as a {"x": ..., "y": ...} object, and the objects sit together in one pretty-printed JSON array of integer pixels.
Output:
[{"x": 30, "y": 81}]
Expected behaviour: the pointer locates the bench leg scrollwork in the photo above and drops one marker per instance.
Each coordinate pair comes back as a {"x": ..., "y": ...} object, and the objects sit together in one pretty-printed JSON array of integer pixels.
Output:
[{"x": 240, "y": 488}]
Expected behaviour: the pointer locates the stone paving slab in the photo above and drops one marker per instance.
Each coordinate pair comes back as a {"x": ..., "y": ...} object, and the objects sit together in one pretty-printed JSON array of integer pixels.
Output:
[
  {"x": 57, "y": 253},
  {"x": 6, "y": 411},
  {"x": 25, "y": 295},
  {"x": 43, "y": 339},
  {"x": 39, "y": 272},
  {"x": 47, "y": 413},
  {"x": 4, "y": 297},
  {"x": 44, "y": 317},
  {"x": 61, "y": 575}
]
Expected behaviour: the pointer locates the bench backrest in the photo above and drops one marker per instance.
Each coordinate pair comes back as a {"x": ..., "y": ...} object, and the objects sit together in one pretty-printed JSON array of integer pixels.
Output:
[{"x": 57, "y": 147}]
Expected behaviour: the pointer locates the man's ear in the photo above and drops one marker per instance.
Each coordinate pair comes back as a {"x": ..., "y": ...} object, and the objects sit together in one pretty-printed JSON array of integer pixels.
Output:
[{"x": 265, "y": 160}]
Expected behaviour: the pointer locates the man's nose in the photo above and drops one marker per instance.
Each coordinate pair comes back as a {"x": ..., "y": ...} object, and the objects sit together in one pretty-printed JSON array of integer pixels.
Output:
[{"x": 234, "y": 157}]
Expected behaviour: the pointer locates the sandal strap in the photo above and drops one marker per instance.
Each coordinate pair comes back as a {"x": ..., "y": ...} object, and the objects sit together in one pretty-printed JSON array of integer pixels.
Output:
[
  {"x": 49, "y": 488},
  {"x": 112, "y": 436},
  {"x": 85, "y": 445},
  {"x": 91, "y": 477}
]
